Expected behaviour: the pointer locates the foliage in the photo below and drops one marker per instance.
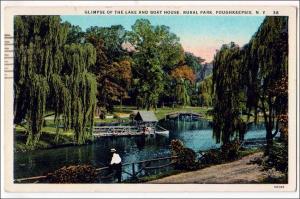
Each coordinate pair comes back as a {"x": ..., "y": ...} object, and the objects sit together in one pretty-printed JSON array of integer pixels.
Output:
[
  {"x": 157, "y": 51},
  {"x": 230, "y": 151},
  {"x": 181, "y": 92},
  {"x": 112, "y": 68},
  {"x": 184, "y": 77},
  {"x": 255, "y": 74},
  {"x": 267, "y": 65},
  {"x": 113, "y": 84},
  {"x": 227, "y": 84},
  {"x": 75, "y": 34},
  {"x": 186, "y": 156},
  {"x": 48, "y": 139},
  {"x": 73, "y": 174},
  {"x": 183, "y": 72},
  {"x": 49, "y": 76},
  {"x": 206, "y": 93},
  {"x": 281, "y": 90},
  {"x": 212, "y": 156},
  {"x": 274, "y": 177},
  {"x": 193, "y": 61},
  {"x": 82, "y": 100},
  {"x": 38, "y": 56},
  {"x": 112, "y": 39},
  {"x": 278, "y": 157}
]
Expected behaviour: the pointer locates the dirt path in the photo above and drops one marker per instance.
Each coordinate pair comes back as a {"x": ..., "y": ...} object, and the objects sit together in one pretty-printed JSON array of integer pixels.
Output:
[{"x": 239, "y": 171}]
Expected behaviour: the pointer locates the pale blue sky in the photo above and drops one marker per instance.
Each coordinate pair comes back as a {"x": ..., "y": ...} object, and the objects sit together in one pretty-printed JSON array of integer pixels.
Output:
[{"x": 201, "y": 35}]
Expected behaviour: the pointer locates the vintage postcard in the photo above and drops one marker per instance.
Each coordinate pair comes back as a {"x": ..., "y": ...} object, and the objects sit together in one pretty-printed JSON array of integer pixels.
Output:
[{"x": 150, "y": 98}]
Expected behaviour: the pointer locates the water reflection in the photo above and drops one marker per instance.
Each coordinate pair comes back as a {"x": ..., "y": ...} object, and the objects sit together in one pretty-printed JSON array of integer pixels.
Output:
[{"x": 194, "y": 134}]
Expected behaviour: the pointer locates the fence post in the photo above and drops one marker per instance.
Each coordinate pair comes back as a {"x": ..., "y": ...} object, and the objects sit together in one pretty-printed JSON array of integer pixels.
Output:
[
  {"x": 144, "y": 167},
  {"x": 133, "y": 171}
]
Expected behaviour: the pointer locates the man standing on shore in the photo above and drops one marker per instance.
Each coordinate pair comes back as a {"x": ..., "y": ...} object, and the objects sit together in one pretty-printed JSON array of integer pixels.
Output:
[{"x": 116, "y": 164}]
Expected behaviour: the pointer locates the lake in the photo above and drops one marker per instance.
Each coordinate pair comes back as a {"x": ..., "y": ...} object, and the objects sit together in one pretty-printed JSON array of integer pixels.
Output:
[{"x": 194, "y": 134}]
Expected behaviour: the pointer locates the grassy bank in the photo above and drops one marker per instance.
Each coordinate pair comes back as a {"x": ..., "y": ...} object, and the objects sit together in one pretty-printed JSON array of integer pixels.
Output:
[{"x": 47, "y": 140}]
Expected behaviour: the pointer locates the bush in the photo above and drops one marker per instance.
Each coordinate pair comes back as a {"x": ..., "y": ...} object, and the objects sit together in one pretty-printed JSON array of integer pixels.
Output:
[
  {"x": 278, "y": 157},
  {"x": 230, "y": 151},
  {"x": 73, "y": 174},
  {"x": 186, "y": 156},
  {"x": 213, "y": 156},
  {"x": 176, "y": 146},
  {"x": 272, "y": 176}
]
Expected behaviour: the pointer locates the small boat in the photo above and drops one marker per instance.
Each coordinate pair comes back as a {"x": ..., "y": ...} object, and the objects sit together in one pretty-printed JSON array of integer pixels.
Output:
[{"x": 163, "y": 133}]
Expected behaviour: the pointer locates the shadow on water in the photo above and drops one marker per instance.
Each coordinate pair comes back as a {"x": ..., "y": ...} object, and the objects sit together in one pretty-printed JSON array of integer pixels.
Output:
[{"x": 195, "y": 134}]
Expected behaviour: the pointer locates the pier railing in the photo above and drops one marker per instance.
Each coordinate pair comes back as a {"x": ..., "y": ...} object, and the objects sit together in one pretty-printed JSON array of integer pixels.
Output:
[
  {"x": 130, "y": 171},
  {"x": 114, "y": 130}
]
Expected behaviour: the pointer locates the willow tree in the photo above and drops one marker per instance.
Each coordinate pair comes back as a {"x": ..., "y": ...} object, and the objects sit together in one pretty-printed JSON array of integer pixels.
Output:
[
  {"x": 205, "y": 91},
  {"x": 38, "y": 56},
  {"x": 79, "y": 103},
  {"x": 50, "y": 76},
  {"x": 267, "y": 64},
  {"x": 227, "y": 84}
]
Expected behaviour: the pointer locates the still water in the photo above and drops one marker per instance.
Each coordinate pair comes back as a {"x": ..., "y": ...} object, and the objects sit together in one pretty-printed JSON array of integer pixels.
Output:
[{"x": 194, "y": 134}]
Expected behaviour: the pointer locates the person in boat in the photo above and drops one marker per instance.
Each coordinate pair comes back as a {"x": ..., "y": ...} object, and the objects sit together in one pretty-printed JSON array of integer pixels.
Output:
[{"x": 116, "y": 164}]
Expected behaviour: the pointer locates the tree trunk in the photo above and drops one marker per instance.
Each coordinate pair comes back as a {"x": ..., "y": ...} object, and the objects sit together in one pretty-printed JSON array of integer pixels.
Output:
[{"x": 269, "y": 138}]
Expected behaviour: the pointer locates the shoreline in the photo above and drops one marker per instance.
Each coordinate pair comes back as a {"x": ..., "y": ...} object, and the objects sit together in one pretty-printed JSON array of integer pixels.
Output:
[{"x": 241, "y": 171}]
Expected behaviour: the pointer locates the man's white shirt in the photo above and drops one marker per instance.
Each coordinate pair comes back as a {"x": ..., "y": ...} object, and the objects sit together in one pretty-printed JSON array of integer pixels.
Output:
[{"x": 116, "y": 159}]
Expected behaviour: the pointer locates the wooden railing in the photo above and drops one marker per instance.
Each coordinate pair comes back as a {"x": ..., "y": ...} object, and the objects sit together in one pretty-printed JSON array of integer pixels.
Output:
[{"x": 133, "y": 170}]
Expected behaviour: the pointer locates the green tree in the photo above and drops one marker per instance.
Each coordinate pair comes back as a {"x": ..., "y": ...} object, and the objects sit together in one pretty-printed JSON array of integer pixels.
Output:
[
  {"x": 50, "y": 76},
  {"x": 181, "y": 92},
  {"x": 157, "y": 51},
  {"x": 193, "y": 61},
  {"x": 205, "y": 91},
  {"x": 184, "y": 78},
  {"x": 227, "y": 84},
  {"x": 113, "y": 40},
  {"x": 75, "y": 34},
  {"x": 82, "y": 87},
  {"x": 113, "y": 66},
  {"x": 38, "y": 55},
  {"x": 267, "y": 64},
  {"x": 256, "y": 74}
]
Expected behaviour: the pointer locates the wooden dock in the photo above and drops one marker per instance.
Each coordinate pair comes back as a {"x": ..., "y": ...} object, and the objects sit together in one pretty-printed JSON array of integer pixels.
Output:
[
  {"x": 113, "y": 131},
  {"x": 109, "y": 131}
]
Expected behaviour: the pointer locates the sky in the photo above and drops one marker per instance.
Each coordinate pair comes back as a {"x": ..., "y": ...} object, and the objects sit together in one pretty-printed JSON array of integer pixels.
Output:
[{"x": 200, "y": 35}]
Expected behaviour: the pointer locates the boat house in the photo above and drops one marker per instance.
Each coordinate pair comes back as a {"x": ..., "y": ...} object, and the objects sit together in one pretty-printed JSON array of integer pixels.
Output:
[{"x": 146, "y": 118}]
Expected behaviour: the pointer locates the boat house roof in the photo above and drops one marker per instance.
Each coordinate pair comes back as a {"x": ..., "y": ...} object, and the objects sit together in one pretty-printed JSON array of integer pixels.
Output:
[{"x": 146, "y": 116}]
